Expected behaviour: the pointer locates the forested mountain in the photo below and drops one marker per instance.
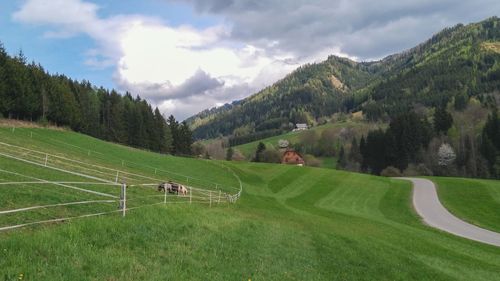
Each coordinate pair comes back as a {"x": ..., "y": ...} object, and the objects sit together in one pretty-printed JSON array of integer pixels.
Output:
[
  {"x": 454, "y": 65},
  {"x": 28, "y": 92}
]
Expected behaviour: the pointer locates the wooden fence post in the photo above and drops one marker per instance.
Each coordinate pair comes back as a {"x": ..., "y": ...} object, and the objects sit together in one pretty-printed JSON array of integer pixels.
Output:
[
  {"x": 165, "y": 197},
  {"x": 218, "y": 201},
  {"x": 116, "y": 179},
  {"x": 46, "y": 159},
  {"x": 190, "y": 195},
  {"x": 210, "y": 192}
]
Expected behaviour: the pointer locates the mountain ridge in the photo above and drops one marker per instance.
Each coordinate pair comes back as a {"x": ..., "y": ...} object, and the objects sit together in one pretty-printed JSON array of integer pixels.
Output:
[{"x": 452, "y": 62}]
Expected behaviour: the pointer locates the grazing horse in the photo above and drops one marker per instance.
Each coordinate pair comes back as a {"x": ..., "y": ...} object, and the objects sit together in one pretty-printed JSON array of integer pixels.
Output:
[
  {"x": 183, "y": 190},
  {"x": 169, "y": 187},
  {"x": 161, "y": 187}
]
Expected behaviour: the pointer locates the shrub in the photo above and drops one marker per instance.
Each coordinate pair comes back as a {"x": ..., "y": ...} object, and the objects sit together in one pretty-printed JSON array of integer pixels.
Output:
[
  {"x": 390, "y": 172},
  {"x": 312, "y": 161},
  {"x": 43, "y": 122},
  {"x": 270, "y": 156},
  {"x": 417, "y": 170}
]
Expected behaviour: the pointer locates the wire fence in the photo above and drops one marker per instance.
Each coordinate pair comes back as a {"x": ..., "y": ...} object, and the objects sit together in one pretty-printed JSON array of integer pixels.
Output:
[{"x": 94, "y": 190}]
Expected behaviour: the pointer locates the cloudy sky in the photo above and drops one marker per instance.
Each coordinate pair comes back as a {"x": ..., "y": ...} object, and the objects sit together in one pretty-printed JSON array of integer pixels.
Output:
[{"x": 188, "y": 55}]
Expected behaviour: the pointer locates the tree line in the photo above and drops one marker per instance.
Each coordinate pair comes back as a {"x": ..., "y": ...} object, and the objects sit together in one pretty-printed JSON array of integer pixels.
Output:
[
  {"x": 28, "y": 92},
  {"x": 412, "y": 145}
]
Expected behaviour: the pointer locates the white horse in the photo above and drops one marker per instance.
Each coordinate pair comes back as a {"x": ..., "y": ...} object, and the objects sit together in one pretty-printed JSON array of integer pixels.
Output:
[{"x": 183, "y": 190}]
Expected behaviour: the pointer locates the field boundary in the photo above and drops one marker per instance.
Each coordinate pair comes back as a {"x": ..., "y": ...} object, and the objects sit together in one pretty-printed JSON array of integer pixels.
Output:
[{"x": 74, "y": 167}]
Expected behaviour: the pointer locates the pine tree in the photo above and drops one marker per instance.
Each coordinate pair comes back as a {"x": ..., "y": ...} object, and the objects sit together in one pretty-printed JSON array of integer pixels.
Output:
[
  {"x": 229, "y": 154},
  {"x": 261, "y": 147},
  {"x": 174, "y": 131},
  {"x": 442, "y": 120},
  {"x": 342, "y": 161},
  {"x": 185, "y": 139},
  {"x": 355, "y": 153}
]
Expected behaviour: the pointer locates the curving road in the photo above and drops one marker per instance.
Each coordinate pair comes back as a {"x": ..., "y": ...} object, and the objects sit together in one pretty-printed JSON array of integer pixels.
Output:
[{"x": 428, "y": 206}]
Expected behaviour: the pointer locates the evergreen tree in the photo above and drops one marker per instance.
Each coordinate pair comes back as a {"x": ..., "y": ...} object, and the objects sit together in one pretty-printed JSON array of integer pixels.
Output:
[
  {"x": 490, "y": 144},
  {"x": 164, "y": 135},
  {"x": 229, "y": 154},
  {"x": 376, "y": 151},
  {"x": 174, "y": 130},
  {"x": 442, "y": 120},
  {"x": 342, "y": 160},
  {"x": 362, "y": 150},
  {"x": 355, "y": 153},
  {"x": 261, "y": 147},
  {"x": 185, "y": 140}
]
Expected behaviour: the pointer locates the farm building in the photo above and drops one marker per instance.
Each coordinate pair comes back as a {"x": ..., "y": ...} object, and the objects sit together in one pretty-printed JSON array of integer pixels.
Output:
[
  {"x": 292, "y": 158},
  {"x": 301, "y": 127}
]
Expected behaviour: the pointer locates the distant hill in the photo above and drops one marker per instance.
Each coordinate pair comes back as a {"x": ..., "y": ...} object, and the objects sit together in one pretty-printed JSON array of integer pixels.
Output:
[{"x": 453, "y": 65}]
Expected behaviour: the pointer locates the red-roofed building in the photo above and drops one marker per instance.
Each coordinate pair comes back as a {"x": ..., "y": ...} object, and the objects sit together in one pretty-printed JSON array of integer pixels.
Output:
[{"x": 292, "y": 158}]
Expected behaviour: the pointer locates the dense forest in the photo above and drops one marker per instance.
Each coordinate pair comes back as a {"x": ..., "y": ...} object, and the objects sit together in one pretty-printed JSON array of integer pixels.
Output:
[
  {"x": 28, "y": 92},
  {"x": 454, "y": 65}
]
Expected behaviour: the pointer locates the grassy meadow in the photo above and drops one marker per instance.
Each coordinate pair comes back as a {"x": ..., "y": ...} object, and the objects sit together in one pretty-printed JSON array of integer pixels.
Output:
[
  {"x": 291, "y": 223},
  {"x": 475, "y": 201},
  {"x": 359, "y": 127}
]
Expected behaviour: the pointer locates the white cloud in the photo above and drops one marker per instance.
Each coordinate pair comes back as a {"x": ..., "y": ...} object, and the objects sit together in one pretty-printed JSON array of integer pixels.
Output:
[
  {"x": 184, "y": 69},
  {"x": 181, "y": 69}
]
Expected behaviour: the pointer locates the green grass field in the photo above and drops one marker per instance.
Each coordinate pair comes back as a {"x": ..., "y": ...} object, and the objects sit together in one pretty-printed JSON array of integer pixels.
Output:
[
  {"x": 291, "y": 223},
  {"x": 476, "y": 201}
]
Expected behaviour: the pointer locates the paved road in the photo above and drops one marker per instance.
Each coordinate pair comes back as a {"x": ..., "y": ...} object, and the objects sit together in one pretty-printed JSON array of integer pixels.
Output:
[{"x": 426, "y": 202}]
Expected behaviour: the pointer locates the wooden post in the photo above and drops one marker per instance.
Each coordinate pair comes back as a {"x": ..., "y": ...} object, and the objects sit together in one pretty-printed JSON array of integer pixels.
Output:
[
  {"x": 123, "y": 198},
  {"x": 46, "y": 159},
  {"x": 210, "y": 192},
  {"x": 165, "y": 197},
  {"x": 218, "y": 201},
  {"x": 116, "y": 179},
  {"x": 190, "y": 195}
]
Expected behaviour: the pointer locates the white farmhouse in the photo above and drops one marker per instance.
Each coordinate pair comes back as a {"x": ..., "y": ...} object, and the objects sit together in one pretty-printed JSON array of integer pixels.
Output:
[{"x": 300, "y": 127}]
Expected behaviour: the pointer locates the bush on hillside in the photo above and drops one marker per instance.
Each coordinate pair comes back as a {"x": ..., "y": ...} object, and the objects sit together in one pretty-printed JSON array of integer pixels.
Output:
[
  {"x": 390, "y": 172},
  {"x": 417, "y": 170},
  {"x": 270, "y": 156},
  {"x": 312, "y": 161}
]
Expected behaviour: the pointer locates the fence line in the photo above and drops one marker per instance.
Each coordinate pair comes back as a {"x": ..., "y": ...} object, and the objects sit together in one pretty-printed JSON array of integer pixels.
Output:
[
  {"x": 53, "y": 182},
  {"x": 56, "y": 205},
  {"x": 205, "y": 196},
  {"x": 123, "y": 162},
  {"x": 60, "y": 184},
  {"x": 54, "y": 168}
]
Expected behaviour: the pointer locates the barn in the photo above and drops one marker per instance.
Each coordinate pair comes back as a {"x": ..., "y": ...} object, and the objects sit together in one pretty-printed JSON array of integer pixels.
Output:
[{"x": 292, "y": 158}]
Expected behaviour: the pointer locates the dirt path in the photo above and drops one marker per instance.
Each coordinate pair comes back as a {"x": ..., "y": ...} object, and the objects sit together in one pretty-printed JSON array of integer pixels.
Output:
[{"x": 428, "y": 206}]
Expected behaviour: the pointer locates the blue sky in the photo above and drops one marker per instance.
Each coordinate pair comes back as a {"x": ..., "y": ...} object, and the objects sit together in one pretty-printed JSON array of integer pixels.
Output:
[
  {"x": 67, "y": 56},
  {"x": 188, "y": 55}
]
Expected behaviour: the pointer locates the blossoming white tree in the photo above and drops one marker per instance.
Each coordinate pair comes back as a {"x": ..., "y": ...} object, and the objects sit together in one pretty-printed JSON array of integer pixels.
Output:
[{"x": 446, "y": 155}]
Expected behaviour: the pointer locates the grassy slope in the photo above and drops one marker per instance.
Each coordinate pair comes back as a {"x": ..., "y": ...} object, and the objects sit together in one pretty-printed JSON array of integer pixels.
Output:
[
  {"x": 292, "y": 223},
  {"x": 476, "y": 201},
  {"x": 248, "y": 149}
]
